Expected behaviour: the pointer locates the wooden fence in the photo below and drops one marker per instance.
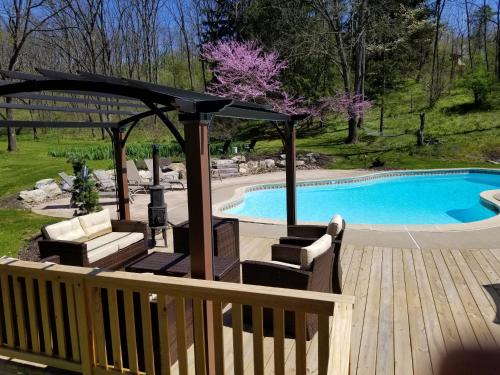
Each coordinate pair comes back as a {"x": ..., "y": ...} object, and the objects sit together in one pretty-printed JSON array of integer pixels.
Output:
[{"x": 96, "y": 322}]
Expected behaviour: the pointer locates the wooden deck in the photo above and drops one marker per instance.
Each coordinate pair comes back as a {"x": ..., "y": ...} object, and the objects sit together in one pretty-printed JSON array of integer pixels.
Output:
[{"x": 413, "y": 307}]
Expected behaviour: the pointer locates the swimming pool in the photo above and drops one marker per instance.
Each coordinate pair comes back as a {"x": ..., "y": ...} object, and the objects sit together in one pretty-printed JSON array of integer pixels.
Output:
[{"x": 408, "y": 198}]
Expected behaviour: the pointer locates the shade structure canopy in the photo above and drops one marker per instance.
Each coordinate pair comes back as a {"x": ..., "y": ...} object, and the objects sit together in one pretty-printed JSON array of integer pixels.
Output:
[
  {"x": 120, "y": 105},
  {"x": 105, "y": 95}
]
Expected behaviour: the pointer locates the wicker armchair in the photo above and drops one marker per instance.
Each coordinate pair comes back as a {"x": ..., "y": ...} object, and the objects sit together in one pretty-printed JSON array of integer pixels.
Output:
[
  {"x": 305, "y": 235},
  {"x": 226, "y": 235},
  {"x": 285, "y": 272}
]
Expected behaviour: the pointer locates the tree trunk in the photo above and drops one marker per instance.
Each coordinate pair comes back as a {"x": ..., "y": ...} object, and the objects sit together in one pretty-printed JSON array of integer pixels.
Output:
[
  {"x": 353, "y": 131},
  {"x": 485, "y": 35},
  {"x": 468, "y": 34},
  {"x": 11, "y": 132},
  {"x": 420, "y": 133}
]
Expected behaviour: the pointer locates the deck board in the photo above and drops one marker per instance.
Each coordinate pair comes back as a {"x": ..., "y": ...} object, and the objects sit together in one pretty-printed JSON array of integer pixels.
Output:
[{"x": 413, "y": 306}]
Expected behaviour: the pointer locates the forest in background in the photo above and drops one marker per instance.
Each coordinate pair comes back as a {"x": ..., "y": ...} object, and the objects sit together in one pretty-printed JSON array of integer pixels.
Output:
[{"x": 372, "y": 49}]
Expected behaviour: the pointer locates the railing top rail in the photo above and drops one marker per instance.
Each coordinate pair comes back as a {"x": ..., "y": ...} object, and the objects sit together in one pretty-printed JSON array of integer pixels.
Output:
[{"x": 296, "y": 300}]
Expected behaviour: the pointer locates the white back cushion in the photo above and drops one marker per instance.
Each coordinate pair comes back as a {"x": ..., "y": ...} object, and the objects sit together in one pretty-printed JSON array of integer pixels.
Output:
[
  {"x": 318, "y": 247},
  {"x": 96, "y": 224},
  {"x": 335, "y": 226},
  {"x": 67, "y": 230}
]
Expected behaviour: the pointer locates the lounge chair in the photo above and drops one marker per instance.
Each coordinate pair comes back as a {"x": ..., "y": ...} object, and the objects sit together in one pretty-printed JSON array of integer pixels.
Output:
[
  {"x": 67, "y": 181},
  {"x": 135, "y": 180},
  {"x": 104, "y": 181},
  {"x": 163, "y": 178},
  {"x": 296, "y": 267}
]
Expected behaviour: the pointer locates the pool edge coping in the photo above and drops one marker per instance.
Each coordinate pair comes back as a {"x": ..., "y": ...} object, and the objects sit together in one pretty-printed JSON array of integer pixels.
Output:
[{"x": 486, "y": 196}]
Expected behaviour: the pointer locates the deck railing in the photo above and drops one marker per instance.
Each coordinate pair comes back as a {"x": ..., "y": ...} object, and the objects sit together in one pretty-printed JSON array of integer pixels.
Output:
[{"x": 95, "y": 322}]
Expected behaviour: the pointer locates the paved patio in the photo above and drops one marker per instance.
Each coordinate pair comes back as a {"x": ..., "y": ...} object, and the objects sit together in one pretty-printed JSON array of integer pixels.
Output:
[{"x": 359, "y": 235}]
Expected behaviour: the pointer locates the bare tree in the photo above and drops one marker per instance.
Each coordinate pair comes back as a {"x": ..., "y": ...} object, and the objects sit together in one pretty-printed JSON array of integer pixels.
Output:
[{"x": 21, "y": 18}]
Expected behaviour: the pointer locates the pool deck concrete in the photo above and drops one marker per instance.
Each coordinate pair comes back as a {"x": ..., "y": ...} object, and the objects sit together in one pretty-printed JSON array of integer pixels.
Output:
[{"x": 480, "y": 235}]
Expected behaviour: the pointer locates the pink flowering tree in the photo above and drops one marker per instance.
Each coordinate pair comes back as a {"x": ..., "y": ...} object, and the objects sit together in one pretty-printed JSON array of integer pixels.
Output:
[
  {"x": 244, "y": 71},
  {"x": 348, "y": 105}
]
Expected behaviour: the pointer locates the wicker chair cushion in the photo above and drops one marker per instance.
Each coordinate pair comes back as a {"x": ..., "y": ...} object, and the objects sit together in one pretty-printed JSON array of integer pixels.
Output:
[
  {"x": 291, "y": 265},
  {"x": 122, "y": 239},
  {"x": 96, "y": 224},
  {"x": 67, "y": 230},
  {"x": 335, "y": 226},
  {"x": 309, "y": 253}
]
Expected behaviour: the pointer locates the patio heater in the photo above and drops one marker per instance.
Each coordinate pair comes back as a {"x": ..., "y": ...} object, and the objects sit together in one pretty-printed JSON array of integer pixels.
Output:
[{"x": 157, "y": 209}]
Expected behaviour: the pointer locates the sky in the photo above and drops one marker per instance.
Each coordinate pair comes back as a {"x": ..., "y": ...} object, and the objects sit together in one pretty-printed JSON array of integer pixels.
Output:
[{"x": 454, "y": 11}]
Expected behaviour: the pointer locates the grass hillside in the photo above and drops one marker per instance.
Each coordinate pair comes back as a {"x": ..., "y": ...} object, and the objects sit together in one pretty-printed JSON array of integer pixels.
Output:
[{"x": 465, "y": 137}]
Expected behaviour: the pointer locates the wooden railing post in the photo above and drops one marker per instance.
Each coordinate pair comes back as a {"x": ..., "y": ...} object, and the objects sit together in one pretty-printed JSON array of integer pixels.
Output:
[
  {"x": 85, "y": 327},
  {"x": 340, "y": 340}
]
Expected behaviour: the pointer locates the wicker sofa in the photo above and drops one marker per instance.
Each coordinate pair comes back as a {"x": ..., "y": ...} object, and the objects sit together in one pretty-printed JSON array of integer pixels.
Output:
[{"x": 94, "y": 240}]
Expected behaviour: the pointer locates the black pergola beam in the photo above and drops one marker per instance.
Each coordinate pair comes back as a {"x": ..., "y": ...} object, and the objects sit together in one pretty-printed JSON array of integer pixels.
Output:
[
  {"x": 35, "y": 107},
  {"x": 74, "y": 99},
  {"x": 57, "y": 124}
]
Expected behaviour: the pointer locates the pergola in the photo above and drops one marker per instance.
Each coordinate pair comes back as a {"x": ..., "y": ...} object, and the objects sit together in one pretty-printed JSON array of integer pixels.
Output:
[{"x": 133, "y": 101}]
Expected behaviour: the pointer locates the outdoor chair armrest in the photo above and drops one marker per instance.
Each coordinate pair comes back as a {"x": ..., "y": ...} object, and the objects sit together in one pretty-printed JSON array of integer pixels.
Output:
[
  {"x": 52, "y": 259},
  {"x": 275, "y": 275},
  {"x": 286, "y": 253},
  {"x": 298, "y": 241},
  {"x": 309, "y": 231},
  {"x": 70, "y": 253},
  {"x": 128, "y": 226}
]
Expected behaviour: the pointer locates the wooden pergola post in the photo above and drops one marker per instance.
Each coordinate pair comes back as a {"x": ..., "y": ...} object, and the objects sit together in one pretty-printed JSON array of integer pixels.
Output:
[
  {"x": 121, "y": 174},
  {"x": 291, "y": 189},
  {"x": 200, "y": 215}
]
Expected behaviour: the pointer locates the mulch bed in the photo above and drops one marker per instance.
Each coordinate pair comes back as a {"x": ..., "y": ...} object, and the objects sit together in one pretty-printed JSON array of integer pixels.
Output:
[{"x": 31, "y": 252}]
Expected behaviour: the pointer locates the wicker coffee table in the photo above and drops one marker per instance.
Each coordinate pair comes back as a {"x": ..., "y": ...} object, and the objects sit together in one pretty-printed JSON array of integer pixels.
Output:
[{"x": 175, "y": 264}]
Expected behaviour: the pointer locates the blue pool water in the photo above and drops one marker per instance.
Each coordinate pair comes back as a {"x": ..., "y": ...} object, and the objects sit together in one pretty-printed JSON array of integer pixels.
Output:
[{"x": 428, "y": 199}]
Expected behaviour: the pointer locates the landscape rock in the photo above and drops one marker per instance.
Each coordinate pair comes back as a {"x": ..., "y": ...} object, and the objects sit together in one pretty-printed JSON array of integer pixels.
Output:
[
  {"x": 270, "y": 163},
  {"x": 252, "y": 165},
  {"x": 41, "y": 183},
  {"x": 33, "y": 196},
  {"x": 51, "y": 190},
  {"x": 243, "y": 168},
  {"x": 178, "y": 167},
  {"x": 314, "y": 155},
  {"x": 300, "y": 163},
  {"x": 239, "y": 159},
  {"x": 283, "y": 156},
  {"x": 281, "y": 163}
]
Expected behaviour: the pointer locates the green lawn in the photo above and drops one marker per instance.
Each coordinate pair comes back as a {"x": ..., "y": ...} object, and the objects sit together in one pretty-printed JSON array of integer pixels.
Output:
[
  {"x": 17, "y": 226},
  {"x": 466, "y": 138}
]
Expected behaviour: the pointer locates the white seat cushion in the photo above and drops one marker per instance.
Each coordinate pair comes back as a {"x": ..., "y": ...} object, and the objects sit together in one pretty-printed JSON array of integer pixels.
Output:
[
  {"x": 335, "y": 226},
  {"x": 290, "y": 265},
  {"x": 110, "y": 243},
  {"x": 317, "y": 248},
  {"x": 96, "y": 224},
  {"x": 102, "y": 252},
  {"x": 67, "y": 230}
]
